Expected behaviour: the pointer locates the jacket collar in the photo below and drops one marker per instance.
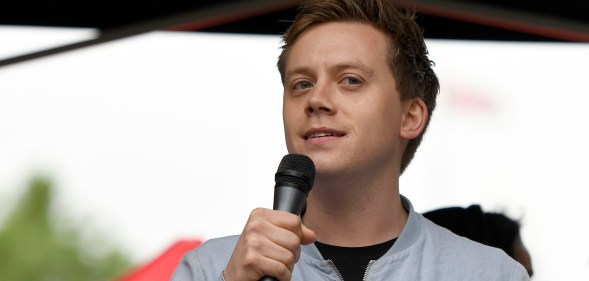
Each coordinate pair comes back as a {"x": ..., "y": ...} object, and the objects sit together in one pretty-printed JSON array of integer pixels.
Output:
[{"x": 410, "y": 233}]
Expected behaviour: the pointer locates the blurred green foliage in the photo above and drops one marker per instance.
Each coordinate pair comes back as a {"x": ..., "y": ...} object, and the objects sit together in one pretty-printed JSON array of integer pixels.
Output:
[{"x": 34, "y": 248}]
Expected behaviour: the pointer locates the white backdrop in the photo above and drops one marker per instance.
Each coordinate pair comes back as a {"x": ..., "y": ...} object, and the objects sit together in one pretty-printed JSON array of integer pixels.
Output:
[{"x": 168, "y": 136}]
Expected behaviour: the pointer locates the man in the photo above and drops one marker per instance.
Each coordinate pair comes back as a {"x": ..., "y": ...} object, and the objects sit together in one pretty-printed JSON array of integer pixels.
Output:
[{"x": 358, "y": 94}]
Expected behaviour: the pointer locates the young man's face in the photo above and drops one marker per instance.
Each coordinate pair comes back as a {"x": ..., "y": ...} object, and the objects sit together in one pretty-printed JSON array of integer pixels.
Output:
[{"x": 341, "y": 106}]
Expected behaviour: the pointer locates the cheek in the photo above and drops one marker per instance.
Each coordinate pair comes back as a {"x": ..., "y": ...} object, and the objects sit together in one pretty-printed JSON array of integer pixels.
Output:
[
  {"x": 289, "y": 122},
  {"x": 382, "y": 116},
  {"x": 293, "y": 111},
  {"x": 384, "y": 125}
]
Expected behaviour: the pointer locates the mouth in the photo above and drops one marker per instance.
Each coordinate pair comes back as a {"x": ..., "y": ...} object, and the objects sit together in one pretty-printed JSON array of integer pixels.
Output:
[{"x": 321, "y": 133}]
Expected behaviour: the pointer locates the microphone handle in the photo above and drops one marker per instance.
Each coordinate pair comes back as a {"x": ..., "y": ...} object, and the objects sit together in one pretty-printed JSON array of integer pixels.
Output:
[{"x": 287, "y": 198}]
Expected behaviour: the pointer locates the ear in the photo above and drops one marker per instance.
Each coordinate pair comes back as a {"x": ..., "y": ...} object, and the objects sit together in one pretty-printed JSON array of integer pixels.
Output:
[{"x": 414, "y": 118}]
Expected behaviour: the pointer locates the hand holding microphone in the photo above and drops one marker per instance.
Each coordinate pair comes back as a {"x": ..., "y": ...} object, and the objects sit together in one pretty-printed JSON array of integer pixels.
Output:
[{"x": 270, "y": 242}]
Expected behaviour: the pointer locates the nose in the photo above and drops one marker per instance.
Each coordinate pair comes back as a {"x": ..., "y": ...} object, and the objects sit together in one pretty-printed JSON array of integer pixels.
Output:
[{"x": 320, "y": 101}]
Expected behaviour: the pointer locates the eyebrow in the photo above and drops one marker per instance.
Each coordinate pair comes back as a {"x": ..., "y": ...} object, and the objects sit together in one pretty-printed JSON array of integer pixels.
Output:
[
  {"x": 353, "y": 65},
  {"x": 335, "y": 68}
]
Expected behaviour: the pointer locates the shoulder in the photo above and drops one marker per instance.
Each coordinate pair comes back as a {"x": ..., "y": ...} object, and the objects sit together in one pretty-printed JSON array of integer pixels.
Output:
[
  {"x": 207, "y": 261},
  {"x": 443, "y": 240},
  {"x": 212, "y": 250},
  {"x": 468, "y": 258}
]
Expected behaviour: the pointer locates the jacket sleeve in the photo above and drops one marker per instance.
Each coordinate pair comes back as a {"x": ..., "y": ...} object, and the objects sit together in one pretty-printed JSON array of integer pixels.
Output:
[
  {"x": 519, "y": 273},
  {"x": 184, "y": 273},
  {"x": 207, "y": 261}
]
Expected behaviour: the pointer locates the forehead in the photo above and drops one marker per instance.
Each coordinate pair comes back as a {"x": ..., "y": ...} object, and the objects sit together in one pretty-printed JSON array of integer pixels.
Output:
[{"x": 337, "y": 43}]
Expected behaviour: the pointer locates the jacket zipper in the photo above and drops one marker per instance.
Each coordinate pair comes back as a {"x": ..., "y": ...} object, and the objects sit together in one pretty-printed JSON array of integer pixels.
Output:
[
  {"x": 336, "y": 270},
  {"x": 366, "y": 272},
  {"x": 340, "y": 275}
]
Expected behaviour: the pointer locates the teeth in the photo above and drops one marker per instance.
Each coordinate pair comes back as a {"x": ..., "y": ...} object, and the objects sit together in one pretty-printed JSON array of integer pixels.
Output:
[{"x": 318, "y": 135}]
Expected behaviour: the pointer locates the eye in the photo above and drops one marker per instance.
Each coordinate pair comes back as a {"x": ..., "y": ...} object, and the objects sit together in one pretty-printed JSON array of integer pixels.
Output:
[
  {"x": 350, "y": 80},
  {"x": 302, "y": 85}
]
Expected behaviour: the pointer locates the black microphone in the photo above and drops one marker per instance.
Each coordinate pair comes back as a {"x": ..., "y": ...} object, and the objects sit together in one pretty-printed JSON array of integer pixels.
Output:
[{"x": 294, "y": 180}]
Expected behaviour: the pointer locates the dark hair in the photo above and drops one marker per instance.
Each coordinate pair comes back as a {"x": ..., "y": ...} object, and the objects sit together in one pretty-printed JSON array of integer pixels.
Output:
[
  {"x": 407, "y": 52},
  {"x": 492, "y": 229}
]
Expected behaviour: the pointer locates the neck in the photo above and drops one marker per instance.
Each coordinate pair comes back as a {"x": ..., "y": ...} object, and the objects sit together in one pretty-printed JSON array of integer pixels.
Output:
[{"x": 353, "y": 213}]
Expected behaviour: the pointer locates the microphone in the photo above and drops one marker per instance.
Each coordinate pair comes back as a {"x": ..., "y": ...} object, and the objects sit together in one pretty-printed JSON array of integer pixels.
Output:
[{"x": 294, "y": 180}]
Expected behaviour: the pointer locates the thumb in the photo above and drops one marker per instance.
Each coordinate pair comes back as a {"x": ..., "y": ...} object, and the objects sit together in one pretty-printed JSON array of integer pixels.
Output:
[{"x": 309, "y": 236}]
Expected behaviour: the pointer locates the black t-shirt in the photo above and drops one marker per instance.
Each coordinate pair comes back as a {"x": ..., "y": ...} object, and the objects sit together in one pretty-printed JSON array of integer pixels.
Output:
[{"x": 351, "y": 262}]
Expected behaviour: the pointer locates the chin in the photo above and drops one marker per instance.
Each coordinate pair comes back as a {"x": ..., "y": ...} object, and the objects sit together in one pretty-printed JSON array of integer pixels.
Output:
[
  {"x": 326, "y": 167},
  {"x": 326, "y": 162}
]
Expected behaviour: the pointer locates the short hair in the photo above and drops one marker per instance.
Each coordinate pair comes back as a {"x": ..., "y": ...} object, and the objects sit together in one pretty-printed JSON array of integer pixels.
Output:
[{"x": 407, "y": 52}]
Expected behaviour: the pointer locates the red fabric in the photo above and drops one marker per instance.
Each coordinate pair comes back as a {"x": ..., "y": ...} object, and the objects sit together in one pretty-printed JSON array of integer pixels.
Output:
[{"x": 163, "y": 266}]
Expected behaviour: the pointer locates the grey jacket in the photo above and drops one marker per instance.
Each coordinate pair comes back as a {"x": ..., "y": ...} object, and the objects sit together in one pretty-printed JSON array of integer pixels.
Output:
[{"x": 423, "y": 251}]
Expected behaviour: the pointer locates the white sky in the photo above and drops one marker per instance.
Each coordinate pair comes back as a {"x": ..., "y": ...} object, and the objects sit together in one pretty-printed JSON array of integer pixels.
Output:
[{"x": 168, "y": 136}]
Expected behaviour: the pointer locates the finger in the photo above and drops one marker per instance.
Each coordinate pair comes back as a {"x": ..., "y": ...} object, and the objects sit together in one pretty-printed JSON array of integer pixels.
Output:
[
  {"x": 308, "y": 235},
  {"x": 283, "y": 245},
  {"x": 285, "y": 220},
  {"x": 283, "y": 255},
  {"x": 265, "y": 236},
  {"x": 292, "y": 241},
  {"x": 255, "y": 256},
  {"x": 278, "y": 218},
  {"x": 281, "y": 228},
  {"x": 253, "y": 265},
  {"x": 276, "y": 269},
  {"x": 264, "y": 256}
]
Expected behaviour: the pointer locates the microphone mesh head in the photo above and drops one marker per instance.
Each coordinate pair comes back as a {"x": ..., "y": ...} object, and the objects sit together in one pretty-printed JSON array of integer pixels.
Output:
[{"x": 298, "y": 163}]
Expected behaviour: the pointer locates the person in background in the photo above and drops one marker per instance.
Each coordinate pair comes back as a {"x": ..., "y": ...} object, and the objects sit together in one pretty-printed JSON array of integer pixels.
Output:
[
  {"x": 359, "y": 91},
  {"x": 492, "y": 229}
]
